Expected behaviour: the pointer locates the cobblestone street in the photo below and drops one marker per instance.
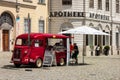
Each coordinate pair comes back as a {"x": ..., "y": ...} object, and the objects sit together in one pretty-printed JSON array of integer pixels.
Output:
[{"x": 95, "y": 68}]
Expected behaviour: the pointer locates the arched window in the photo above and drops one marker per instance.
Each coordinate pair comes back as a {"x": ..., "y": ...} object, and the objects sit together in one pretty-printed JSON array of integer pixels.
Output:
[
  {"x": 6, "y": 18},
  {"x": 65, "y": 26},
  {"x": 91, "y": 25}
]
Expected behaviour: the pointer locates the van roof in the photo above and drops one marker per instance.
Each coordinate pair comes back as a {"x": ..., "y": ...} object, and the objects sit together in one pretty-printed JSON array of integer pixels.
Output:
[{"x": 38, "y": 35}]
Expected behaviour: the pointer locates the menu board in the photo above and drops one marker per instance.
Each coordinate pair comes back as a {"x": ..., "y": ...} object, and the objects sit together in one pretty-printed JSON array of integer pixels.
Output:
[{"x": 48, "y": 58}]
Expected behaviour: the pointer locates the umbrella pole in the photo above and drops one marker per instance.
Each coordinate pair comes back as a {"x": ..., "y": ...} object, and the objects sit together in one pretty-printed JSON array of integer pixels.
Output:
[{"x": 84, "y": 47}]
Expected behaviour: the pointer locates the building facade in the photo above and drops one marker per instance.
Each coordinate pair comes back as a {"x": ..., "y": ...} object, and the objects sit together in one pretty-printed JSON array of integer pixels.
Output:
[
  {"x": 14, "y": 15},
  {"x": 103, "y": 15}
]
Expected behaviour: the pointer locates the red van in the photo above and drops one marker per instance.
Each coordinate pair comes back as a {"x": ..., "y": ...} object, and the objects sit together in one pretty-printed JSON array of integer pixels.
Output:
[{"x": 34, "y": 53}]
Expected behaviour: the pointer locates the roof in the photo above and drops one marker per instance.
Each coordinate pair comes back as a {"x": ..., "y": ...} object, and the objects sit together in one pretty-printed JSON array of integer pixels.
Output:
[{"x": 40, "y": 35}]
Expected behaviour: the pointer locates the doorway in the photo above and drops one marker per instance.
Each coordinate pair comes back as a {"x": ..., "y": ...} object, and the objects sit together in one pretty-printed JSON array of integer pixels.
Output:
[{"x": 5, "y": 38}]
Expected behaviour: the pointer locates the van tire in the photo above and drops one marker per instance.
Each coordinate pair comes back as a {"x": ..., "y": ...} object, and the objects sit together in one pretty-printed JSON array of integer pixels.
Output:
[
  {"x": 62, "y": 62},
  {"x": 38, "y": 63},
  {"x": 17, "y": 65}
]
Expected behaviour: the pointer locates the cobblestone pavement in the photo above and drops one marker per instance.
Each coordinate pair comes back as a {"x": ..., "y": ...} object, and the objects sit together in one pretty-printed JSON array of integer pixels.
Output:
[{"x": 95, "y": 68}]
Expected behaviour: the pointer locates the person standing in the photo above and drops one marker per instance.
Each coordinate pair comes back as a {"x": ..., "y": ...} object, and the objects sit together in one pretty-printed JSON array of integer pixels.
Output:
[
  {"x": 76, "y": 52},
  {"x": 97, "y": 50}
]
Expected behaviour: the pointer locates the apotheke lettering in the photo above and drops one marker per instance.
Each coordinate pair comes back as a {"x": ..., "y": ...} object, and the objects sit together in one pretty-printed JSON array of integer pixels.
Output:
[{"x": 66, "y": 14}]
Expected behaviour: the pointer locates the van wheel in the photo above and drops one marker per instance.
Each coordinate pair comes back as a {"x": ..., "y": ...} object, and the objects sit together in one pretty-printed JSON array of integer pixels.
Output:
[
  {"x": 38, "y": 63},
  {"x": 62, "y": 62},
  {"x": 17, "y": 65}
]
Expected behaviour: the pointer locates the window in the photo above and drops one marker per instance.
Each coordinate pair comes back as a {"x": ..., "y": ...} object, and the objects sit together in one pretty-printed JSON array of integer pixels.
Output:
[
  {"x": 117, "y": 6},
  {"x": 38, "y": 43},
  {"x": 107, "y": 40},
  {"x": 27, "y": 25},
  {"x": 90, "y": 40},
  {"x": 86, "y": 39},
  {"x": 42, "y": 1},
  {"x": 111, "y": 38},
  {"x": 23, "y": 42},
  {"x": 91, "y": 3},
  {"x": 103, "y": 38},
  {"x": 96, "y": 42},
  {"x": 117, "y": 39},
  {"x": 41, "y": 26},
  {"x": 107, "y": 5},
  {"x": 28, "y": 1},
  {"x": 66, "y": 2},
  {"x": 100, "y": 4}
]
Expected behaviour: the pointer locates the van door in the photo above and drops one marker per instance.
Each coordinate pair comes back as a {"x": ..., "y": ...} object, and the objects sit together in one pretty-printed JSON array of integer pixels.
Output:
[{"x": 38, "y": 49}]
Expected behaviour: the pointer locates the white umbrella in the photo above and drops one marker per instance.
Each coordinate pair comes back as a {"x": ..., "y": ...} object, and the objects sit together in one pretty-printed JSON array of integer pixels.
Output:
[{"x": 84, "y": 30}]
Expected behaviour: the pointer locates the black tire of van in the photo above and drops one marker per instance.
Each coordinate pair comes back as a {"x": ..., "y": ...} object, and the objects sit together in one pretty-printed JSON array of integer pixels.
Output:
[
  {"x": 17, "y": 65},
  {"x": 38, "y": 63},
  {"x": 62, "y": 62}
]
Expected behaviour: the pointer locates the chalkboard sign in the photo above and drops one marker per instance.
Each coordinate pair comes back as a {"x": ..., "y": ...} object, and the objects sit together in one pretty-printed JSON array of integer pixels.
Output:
[{"x": 48, "y": 58}]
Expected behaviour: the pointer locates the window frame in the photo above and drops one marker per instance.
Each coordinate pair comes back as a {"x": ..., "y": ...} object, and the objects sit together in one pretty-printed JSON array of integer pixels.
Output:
[
  {"x": 41, "y": 28},
  {"x": 117, "y": 6},
  {"x": 107, "y": 5},
  {"x": 91, "y": 3},
  {"x": 30, "y": 1},
  {"x": 26, "y": 29},
  {"x": 41, "y": 2},
  {"x": 100, "y": 4}
]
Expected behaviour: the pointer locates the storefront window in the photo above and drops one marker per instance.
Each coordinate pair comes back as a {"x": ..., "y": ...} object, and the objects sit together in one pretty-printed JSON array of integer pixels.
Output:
[
  {"x": 86, "y": 39},
  {"x": 96, "y": 40},
  {"x": 103, "y": 38},
  {"x": 110, "y": 37},
  {"x": 117, "y": 39},
  {"x": 90, "y": 40},
  {"x": 107, "y": 39}
]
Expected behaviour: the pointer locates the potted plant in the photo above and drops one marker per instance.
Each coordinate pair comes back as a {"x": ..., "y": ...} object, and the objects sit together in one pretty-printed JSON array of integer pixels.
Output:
[{"x": 106, "y": 50}]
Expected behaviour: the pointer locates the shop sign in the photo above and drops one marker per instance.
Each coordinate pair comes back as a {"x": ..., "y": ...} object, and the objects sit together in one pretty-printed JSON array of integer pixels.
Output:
[
  {"x": 66, "y": 14},
  {"x": 98, "y": 16}
]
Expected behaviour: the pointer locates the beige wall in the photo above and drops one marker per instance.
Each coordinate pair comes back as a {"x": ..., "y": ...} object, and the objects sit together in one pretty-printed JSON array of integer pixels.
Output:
[{"x": 36, "y": 11}]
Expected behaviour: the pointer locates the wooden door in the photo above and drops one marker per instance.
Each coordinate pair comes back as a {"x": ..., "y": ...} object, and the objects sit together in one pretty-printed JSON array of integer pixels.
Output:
[{"x": 5, "y": 40}]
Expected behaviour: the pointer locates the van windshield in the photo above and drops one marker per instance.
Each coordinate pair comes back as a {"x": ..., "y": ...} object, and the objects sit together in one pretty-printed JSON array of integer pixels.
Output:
[{"x": 22, "y": 42}]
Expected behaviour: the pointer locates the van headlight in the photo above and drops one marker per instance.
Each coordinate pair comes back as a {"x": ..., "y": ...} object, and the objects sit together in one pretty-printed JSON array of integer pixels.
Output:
[{"x": 26, "y": 51}]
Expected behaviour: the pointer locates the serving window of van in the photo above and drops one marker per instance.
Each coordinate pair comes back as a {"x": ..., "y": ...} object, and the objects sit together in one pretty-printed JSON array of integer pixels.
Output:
[{"x": 38, "y": 43}]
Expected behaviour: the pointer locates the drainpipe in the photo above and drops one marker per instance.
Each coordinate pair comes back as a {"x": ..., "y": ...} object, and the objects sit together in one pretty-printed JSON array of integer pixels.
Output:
[{"x": 49, "y": 20}]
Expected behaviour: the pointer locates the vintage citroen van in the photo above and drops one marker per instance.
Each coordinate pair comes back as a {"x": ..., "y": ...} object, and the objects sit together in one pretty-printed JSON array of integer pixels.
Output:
[{"x": 33, "y": 53}]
